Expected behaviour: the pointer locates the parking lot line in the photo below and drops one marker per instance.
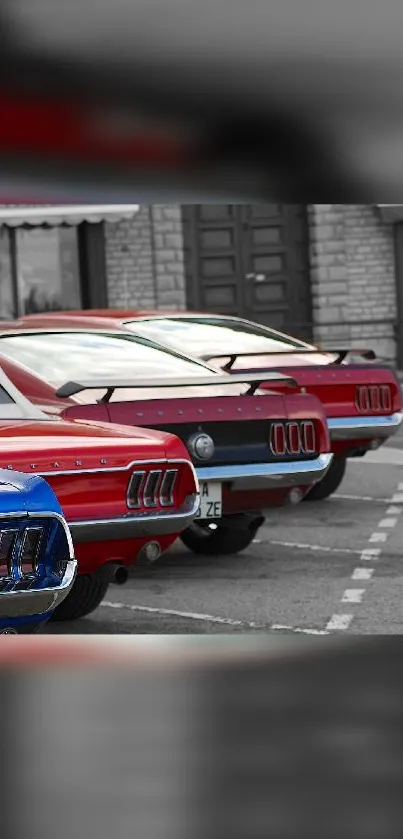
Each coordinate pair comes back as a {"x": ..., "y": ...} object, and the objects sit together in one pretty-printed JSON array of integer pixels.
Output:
[
  {"x": 355, "y": 595},
  {"x": 275, "y": 627},
  {"x": 362, "y": 573},
  {"x": 307, "y": 547},
  {"x": 339, "y": 623},
  {"x": 366, "y": 498}
]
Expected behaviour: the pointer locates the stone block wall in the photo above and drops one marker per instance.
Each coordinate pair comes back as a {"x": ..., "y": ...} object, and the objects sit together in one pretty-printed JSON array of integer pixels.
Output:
[
  {"x": 130, "y": 261},
  {"x": 144, "y": 259},
  {"x": 170, "y": 288},
  {"x": 353, "y": 277}
]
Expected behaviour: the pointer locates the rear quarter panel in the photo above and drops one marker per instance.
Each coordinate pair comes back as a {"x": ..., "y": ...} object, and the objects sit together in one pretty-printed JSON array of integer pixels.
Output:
[{"x": 336, "y": 387}]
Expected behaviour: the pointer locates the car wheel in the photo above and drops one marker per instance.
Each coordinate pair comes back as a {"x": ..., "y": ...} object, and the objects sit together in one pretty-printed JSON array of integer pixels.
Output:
[
  {"x": 86, "y": 595},
  {"x": 332, "y": 480},
  {"x": 229, "y": 536}
]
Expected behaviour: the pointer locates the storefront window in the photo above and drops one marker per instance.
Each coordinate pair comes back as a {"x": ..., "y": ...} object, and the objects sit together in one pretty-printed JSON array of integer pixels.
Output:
[
  {"x": 48, "y": 269},
  {"x": 7, "y": 296}
]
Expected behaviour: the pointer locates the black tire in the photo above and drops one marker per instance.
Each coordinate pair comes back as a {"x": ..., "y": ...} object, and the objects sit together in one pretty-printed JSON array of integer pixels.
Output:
[
  {"x": 86, "y": 595},
  {"x": 224, "y": 538},
  {"x": 330, "y": 483}
]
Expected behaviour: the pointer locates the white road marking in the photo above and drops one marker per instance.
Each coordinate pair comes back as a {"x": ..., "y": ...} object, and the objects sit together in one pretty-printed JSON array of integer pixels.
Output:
[
  {"x": 366, "y": 498},
  {"x": 306, "y": 547},
  {"x": 394, "y": 511},
  {"x": 381, "y": 457},
  {"x": 280, "y": 627},
  {"x": 378, "y": 537},
  {"x": 277, "y": 627},
  {"x": 370, "y": 554},
  {"x": 362, "y": 573},
  {"x": 353, "y": 595},
  {"x": 151, "y": 610},
  {"x": 388, "y": 523},
  {"x": 339, "y": 623}
]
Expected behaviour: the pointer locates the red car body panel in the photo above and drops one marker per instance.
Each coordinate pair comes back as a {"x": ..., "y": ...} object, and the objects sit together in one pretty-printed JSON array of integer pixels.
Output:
[
  {"x": 278, "y": 407},
  {"x": 89, "y": 467},
  {"x": 336, "y": 385},
  {"x": 174, "y": 413}
]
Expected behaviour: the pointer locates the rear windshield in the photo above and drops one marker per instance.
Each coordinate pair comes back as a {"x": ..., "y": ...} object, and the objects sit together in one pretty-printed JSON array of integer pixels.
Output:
[
  {"x": 62, "y": 357},
  {"x": 213, "y": 335}
]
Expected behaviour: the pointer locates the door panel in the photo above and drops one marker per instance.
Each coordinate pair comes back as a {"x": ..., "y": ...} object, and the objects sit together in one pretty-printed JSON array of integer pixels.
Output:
[{"x": 250, "y": 260}]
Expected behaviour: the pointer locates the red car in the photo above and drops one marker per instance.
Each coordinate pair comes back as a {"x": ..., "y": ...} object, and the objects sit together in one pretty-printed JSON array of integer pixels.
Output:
[
  {"x": 251, "y": 449},
  {"x": 126, "y": 493},
  {"x": 363, "y": 400}
]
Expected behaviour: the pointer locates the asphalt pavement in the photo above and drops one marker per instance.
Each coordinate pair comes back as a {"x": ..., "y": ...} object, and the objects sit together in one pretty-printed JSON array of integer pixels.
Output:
[{"x": 324, "y": 567}]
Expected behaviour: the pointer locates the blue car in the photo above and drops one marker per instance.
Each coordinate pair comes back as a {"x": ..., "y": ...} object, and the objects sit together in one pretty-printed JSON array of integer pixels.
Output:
[{"x": 37, "y": 565}]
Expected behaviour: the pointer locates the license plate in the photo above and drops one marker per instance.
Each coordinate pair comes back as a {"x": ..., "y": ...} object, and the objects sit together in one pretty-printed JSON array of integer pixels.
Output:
[{"x": 210, "y": 501}]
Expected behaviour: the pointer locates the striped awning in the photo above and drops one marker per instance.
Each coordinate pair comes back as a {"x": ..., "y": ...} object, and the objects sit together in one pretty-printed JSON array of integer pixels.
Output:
[
  {"x": 391, "y": 213},
  {"x": 56, "y": 215}
]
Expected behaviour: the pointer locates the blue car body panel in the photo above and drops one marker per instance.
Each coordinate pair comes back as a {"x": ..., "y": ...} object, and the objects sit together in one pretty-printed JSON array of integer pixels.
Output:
[{"x": 37, "y": 566}]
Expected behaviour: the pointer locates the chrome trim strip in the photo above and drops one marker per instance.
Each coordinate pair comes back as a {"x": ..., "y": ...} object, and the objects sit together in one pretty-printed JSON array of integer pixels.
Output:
[
  {"x": 359, "y": 428},
  {"x": 141, "y": 463},
  {"x": 39, "y": 601},
  {"x": 161, "y": 523},
  {"x": 66, "y": 528},
  {"x": 268, "y": 475},
  {"x": 15, "y": 604}
]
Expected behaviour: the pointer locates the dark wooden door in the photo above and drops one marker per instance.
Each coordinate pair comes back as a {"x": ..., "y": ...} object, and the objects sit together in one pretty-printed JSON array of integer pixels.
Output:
[{"x": 250, "y": 260}]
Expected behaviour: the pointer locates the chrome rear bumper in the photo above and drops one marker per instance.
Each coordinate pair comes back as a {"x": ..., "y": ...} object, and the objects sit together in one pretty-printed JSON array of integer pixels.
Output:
[
  {"x": 136, "y": 525},
  {"x": 261, "y": 476},
  {"x": 36, "y": 602},
  {"x": 364, "y": 428}
]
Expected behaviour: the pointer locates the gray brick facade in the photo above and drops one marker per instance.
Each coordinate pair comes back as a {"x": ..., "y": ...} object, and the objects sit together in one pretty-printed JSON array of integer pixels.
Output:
[
  {"x": 144, "y": 259},
  {"x": 129, "y": 257},
  {"x": 353, "y": 276},
  {"x": 169, "y": 260}
]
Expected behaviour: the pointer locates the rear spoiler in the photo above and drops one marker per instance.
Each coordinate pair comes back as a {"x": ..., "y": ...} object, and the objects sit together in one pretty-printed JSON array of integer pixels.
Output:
[
  {"x": 370, "y": 355},
  {"x": 253, "y": 379}
]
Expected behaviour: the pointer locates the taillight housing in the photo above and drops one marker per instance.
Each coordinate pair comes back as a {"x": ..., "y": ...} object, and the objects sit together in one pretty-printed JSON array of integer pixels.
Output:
[
  {"x": 374, "y": 399},
  {"x": 29, "y": 553},
  {"x": 161, "y": 487},
  {"x": 293, "y": 438}
]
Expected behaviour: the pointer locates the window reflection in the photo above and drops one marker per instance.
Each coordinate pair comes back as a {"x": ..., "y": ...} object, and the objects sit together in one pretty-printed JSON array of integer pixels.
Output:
[
  {"x": 7, "y": 300},
  {"x": 210, "y": 335},
  {"x": 59, "y": 357},
  {"x": 49, "y": 273}
]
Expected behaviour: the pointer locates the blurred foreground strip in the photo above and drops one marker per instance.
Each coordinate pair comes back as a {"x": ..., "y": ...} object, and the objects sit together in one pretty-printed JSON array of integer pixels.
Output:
[
  {"x": 154, "y": 650},
  {"x": 221, "y": 738}
]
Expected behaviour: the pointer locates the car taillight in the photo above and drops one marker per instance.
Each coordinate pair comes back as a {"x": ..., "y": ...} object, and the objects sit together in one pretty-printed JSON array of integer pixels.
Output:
[
  {"x": 20, "y": 560},
  {"x": 293, "y": 438},
  {"x": 374, "y": 399},
  {"x": 150, "y": 492},
  {"x": 167, "y": 487},
  {"x": 29, "y": 553},
  {"x": 8, "y": 539},
  {"x": 152, "y": 489}
]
